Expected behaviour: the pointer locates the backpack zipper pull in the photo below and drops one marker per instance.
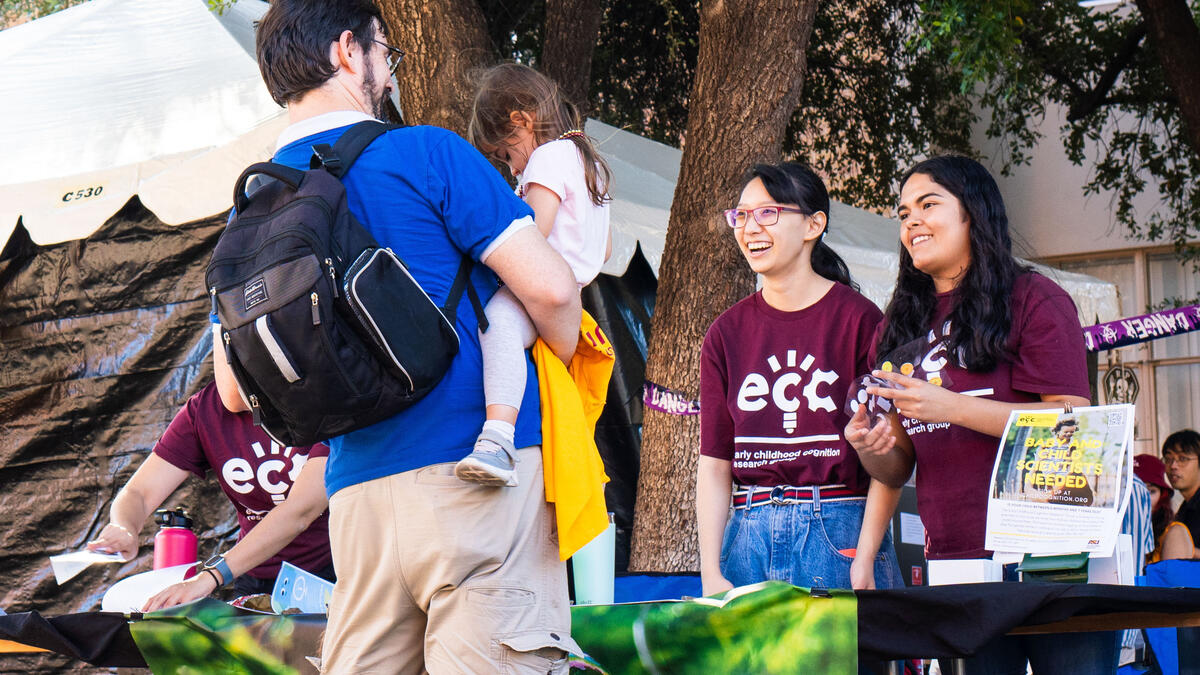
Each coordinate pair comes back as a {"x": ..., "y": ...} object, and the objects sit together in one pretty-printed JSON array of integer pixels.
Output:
[
  {"x": 332, "y": 276},
  {"x": 316, "y": 313},
  {"x": 255, "y": 410},
  {"x": 212, "y": 293},
  {"x": 228, "y": 347}
]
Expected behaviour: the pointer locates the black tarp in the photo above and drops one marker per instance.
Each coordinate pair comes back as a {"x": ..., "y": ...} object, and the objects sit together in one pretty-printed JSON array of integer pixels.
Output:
[
  {"x": 622, "y": 306},
  {"x": 104, "y": 338}
]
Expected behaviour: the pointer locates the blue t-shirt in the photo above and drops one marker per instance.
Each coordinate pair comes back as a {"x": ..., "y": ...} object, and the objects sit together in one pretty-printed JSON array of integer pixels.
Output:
[{"x": 430, "y": 197}]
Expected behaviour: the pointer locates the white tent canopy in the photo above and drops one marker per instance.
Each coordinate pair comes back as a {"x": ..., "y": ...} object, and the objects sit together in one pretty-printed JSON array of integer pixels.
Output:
[
  {"x": 115, "y": 98},
  {"x": 163, "y": 99},
  {"x": 644, "y": 176}
]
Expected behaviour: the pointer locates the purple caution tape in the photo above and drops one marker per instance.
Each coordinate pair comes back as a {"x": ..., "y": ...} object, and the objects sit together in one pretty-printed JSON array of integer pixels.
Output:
[
  {"x": 657, "y": 397},
  {"x": 1137, "y": 329}
]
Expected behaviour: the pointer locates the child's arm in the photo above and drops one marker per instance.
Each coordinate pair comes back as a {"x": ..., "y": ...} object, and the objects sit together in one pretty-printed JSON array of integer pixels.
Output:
[{"x": 544, "y": 203}]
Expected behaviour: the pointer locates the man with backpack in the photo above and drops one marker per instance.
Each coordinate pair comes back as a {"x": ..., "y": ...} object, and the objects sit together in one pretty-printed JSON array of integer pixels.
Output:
[{"x": 434, "y": 574}]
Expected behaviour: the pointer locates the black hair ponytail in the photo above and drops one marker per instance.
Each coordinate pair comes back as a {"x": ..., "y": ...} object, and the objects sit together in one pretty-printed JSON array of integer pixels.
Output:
[{"x": 796, "y": 183}]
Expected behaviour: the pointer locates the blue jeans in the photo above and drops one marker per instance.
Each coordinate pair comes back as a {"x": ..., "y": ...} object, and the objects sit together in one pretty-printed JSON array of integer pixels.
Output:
[{"x": 799, "y": 543}]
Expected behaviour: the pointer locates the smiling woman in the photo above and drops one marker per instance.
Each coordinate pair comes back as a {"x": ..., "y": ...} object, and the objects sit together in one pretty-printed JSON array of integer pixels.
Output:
[
  {"x": 935, "y": 231},
  {"x": 775, "y": 370},
  {"x": 1009, "y": 339}
]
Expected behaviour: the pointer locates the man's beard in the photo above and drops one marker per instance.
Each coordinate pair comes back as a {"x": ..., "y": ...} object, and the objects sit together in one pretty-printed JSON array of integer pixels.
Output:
[{"x": 373, "y": 99}]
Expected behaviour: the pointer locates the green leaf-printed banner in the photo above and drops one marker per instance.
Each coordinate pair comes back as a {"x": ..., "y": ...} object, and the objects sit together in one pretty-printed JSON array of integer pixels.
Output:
[
  {"x": 769, "y": 628},
  {"x": 210, "y": 636}
]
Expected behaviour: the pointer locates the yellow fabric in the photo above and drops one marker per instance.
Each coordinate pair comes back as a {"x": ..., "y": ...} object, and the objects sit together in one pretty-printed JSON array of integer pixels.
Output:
[{"x": 572, "y": 399}]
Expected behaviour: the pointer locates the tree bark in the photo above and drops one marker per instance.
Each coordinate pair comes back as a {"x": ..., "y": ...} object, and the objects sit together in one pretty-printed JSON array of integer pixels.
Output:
[
  {"x": 1176, "y": 40},
  {"x": 572, "y": 28},
  {"x": 445, "y": 41},
  {"x": 749, "y": 74}
]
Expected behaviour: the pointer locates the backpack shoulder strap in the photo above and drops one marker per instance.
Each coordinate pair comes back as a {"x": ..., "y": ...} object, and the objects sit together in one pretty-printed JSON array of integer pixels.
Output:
[
  {"x": 462, "y": 280},
  {"x": 288, "y": 175},
  {"x": 338, "y": 159}
]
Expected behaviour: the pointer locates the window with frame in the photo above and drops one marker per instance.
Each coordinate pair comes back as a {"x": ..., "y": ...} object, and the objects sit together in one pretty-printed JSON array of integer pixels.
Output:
[{"x": 1168, "y": 369}]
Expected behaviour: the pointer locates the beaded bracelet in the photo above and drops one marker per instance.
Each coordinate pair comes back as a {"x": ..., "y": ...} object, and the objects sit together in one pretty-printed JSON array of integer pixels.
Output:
[
  {"x": 123, "y": 529},
  {"x": 570, "y": 133}
]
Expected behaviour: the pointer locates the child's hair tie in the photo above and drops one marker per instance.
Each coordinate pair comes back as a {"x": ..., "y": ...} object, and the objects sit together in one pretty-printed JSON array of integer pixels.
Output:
[{"x": 570, "y": 133}]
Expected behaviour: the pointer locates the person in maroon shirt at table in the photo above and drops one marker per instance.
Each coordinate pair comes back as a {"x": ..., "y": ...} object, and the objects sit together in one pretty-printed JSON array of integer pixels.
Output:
[
  {"x": 775, "y": 371},
  {"x": 277, "y": 492},
  {"x": 1009, "y": 339}
]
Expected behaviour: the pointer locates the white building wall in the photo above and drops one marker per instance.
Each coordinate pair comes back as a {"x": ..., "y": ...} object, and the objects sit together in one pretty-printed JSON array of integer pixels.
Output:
[
  {"x": 1047, "y": 209},
  {"x": 1051, "y": 217}
]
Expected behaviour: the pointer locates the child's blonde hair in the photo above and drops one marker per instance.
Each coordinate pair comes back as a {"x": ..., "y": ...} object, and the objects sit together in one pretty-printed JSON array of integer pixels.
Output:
[{"x": 512, "y": 87}]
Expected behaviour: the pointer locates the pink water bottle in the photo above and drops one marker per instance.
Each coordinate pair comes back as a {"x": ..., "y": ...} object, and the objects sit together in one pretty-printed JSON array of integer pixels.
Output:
[{"x": 175, "y": 543}]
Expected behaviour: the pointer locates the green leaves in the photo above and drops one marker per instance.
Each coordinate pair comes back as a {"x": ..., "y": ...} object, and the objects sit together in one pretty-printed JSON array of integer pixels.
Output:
[
  {"x": 1019, "y": 56},
  {"x": 13, "y": 12},
  {"x": 770, "y": 628}
]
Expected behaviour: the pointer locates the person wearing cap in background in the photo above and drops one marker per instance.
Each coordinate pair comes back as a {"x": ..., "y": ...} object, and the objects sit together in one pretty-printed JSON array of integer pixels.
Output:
[{"x": 1174, "y": 539}]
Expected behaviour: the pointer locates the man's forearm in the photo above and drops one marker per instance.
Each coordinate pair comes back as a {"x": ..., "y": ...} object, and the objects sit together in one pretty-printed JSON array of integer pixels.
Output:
[{"x": 558, "y": 325}]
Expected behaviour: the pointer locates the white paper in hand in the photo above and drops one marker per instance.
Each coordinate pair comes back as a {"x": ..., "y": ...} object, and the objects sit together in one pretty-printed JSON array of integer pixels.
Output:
[
  {"x": 131, "y": 593},
  {"x": 67, "y": 565}
]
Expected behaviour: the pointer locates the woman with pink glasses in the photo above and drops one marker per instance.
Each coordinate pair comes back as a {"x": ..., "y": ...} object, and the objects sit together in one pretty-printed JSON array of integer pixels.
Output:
[{"x": 775, "y": 371}]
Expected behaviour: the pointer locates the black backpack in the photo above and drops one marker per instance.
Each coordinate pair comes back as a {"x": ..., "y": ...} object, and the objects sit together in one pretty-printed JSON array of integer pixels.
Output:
[{"x": 326, "y": 332}]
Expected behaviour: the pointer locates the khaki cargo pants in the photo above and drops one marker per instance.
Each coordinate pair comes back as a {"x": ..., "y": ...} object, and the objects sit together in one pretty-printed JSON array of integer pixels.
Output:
[{"x": 442, "y": 576}]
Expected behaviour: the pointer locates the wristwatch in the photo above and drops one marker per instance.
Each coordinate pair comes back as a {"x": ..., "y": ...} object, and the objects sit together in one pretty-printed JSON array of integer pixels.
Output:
[{"x": 217, "y": 564}]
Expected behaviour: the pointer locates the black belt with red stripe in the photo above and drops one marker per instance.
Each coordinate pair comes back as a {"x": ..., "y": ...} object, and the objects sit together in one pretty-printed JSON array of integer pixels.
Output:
[{"x": 745, "y": 497}]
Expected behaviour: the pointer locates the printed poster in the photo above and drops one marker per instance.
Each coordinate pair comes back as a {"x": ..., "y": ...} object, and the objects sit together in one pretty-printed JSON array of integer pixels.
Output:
[{"x": 1061, "y": 481}]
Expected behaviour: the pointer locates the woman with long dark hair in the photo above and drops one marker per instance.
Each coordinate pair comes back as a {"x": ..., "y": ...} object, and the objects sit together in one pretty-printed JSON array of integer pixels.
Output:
[
  {"x": 1171, "y": 537},
  {"x": 1008, "y": 339},
  {"x": 775, "y": 371}
]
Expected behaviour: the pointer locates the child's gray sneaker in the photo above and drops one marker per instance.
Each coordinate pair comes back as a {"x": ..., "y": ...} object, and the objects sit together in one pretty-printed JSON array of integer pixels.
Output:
[{"x": 492, "y": 462}]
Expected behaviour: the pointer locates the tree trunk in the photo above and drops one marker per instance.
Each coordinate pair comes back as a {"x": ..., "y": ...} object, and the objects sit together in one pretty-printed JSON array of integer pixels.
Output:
[
  {"x": 1176, "y": 40},
  {"x": 749, "y": 74},
  {"x": 572, "y": 28},
  {"x": 445, "y": 41}
]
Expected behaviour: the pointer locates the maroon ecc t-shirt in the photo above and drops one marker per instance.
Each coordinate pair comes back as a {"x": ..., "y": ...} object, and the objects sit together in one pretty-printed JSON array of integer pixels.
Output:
[
  {"x": 254, "y": 471},
  {"x": 773, "y": 389},
  {"x": 954, "y": 464}
]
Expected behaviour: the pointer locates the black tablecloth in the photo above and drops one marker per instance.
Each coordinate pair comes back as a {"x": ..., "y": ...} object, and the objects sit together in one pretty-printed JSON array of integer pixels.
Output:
[
  {"x": 920, "y": 622},
  {"x": 949, "y": 621},
  {"x": 98, "y": 638}
]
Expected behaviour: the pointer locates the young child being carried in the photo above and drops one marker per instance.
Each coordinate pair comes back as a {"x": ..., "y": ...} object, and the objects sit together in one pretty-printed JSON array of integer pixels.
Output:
[{"x": 520, "y": 119}]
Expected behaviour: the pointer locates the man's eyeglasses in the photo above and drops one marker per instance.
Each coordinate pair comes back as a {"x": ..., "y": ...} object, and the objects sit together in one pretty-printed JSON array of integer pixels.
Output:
[
  {"x": 763, "y": 215},
  {"x": 394, "y": 57},
  {"x": 1179, "y": 458}
]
